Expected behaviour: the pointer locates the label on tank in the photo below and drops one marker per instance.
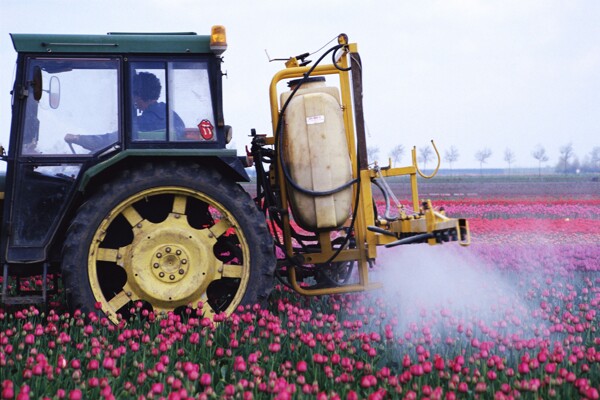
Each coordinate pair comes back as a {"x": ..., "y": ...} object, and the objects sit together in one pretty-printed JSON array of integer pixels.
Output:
[{"x": 315, "y": 119}]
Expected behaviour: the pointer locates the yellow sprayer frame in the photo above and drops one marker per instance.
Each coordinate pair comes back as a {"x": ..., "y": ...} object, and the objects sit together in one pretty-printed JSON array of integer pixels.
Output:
[{"x": 366, "y": 240}]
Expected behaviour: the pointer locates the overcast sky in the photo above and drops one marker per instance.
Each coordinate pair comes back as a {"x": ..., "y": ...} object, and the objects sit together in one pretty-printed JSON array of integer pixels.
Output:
[{"x": 472, "y": 74}]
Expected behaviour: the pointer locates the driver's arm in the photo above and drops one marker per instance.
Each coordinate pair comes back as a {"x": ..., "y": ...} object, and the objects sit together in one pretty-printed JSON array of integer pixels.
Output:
[{"x": 91, "y": 142}]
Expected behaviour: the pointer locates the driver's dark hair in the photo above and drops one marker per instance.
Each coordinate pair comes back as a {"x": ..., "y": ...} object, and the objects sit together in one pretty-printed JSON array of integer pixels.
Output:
[{"x": 146, "y": 86}]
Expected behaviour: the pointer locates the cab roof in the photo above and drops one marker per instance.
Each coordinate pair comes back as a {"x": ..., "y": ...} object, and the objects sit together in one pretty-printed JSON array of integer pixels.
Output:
[{"x": 113, "y": 43}]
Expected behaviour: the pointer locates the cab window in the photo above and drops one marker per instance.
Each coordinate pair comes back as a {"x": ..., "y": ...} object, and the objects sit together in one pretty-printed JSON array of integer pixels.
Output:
[
  {"x": 74, "y": 97},
  {"x": 171, "y": 102}
]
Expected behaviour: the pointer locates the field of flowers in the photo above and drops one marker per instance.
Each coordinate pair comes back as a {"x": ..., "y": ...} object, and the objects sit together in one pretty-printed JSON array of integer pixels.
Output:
[{"x": 515, "y": 315}]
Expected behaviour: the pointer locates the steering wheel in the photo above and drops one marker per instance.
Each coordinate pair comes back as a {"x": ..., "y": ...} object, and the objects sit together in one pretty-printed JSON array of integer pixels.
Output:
[{"x": 69, "y": 138}]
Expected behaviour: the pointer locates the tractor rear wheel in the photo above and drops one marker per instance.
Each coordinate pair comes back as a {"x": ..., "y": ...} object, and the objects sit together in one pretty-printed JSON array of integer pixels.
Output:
[{"x": 170, "y": 236}]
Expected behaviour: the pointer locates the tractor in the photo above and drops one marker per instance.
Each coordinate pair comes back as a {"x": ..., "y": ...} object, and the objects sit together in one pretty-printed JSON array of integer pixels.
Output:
[{"x": 119, "y": 180}]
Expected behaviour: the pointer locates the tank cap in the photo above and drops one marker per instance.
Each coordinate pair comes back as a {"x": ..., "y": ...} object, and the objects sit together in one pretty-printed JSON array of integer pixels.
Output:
[{"x": 307, "y": 80}]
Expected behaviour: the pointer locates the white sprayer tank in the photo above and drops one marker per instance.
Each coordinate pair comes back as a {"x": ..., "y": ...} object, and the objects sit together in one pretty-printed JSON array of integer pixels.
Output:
[{"x": 315, "y": 151}]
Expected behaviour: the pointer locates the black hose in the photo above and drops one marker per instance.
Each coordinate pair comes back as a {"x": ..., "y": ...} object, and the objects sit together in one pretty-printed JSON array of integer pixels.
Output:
[
  {"x": 386, "y": 198},
  {"x": 411, "y": 239}
]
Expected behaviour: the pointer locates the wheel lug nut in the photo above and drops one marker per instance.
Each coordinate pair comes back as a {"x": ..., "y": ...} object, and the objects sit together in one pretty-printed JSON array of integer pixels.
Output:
[
  {"x": 171, "y": 277},
  {"x": 178, "y": 252},
  {"x": 168, "y": 249},
  {"x": 158, "y": 255},
  {"x": 181, "y": 272},
  {"x": 161, "y": 274},
  {"x": 184, "y": 261},
  {"x": 156, "y": 265}
]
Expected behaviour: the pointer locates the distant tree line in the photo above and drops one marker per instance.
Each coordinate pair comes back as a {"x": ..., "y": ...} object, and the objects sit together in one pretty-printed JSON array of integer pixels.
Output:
[{"x": 567, "y": 162}]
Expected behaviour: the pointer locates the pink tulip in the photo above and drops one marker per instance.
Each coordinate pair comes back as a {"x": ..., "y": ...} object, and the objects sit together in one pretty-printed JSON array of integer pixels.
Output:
[
  {"x": 205, "y": 379},
  {"x": 274, "y": 347},
  {"x": 368, "y": 381},
  {"x": 8, "y": 392},
  {"x": 93, "y": 365},
  {"x": 352, "y": 395},
  {"x": 157, "y": 388},
  {"x": 193, "y": 375},
  {"x": 592, "y": 393},
  {"x": 106, "y": 393},
  {"x": 450, "y": 396},
  {"x": 384, "y": 372},
  {"x": 523, "y": 368},
  {"x": 406, "y": 361},
  {"x": 480, "y": 387},
  {"x": 229, "y": 390},
  {"x": 239, "y": 364},
  {"x": 301, "y": 366},
  {"x": 108, "y": 363}
]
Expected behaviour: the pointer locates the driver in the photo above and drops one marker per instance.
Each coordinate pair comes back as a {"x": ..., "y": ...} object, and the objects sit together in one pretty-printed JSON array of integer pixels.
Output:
[
  {"x": 153, "y": 117},
  {"x": 146, "y": 91}
]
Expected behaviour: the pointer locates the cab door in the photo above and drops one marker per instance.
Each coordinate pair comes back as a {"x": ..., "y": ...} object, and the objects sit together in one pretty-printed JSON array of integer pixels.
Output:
[{"x": 76, "y": 96}]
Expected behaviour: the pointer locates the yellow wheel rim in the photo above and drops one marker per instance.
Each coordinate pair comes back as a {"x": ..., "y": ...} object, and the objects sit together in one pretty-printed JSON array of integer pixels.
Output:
[{"x": 140, "y": 252}]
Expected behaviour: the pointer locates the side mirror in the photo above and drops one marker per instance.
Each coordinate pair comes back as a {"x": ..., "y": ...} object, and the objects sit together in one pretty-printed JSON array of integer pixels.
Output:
[
  {"x": 54, "y": 92},
  {"x": 36, "y": 84}
]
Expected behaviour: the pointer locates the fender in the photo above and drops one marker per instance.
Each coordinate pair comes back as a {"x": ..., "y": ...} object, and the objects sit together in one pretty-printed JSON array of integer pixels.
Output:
[{"x": 227, "y": 161}]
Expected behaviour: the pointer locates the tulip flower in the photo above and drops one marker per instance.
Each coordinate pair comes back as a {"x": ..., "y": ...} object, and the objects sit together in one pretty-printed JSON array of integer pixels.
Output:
[{"x": 205, "y": 379}]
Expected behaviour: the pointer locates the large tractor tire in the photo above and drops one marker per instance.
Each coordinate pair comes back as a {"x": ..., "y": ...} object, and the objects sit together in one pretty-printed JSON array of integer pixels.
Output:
[{"x": 170, "y": 236}]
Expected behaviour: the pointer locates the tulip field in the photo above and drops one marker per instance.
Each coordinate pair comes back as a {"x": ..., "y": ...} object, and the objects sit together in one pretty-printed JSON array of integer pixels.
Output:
[{"x": 514, "y": 315}]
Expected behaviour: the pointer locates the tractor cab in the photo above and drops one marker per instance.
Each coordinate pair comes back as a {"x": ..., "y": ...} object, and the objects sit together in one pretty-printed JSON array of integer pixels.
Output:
[{"x": 108, "y": 102}]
